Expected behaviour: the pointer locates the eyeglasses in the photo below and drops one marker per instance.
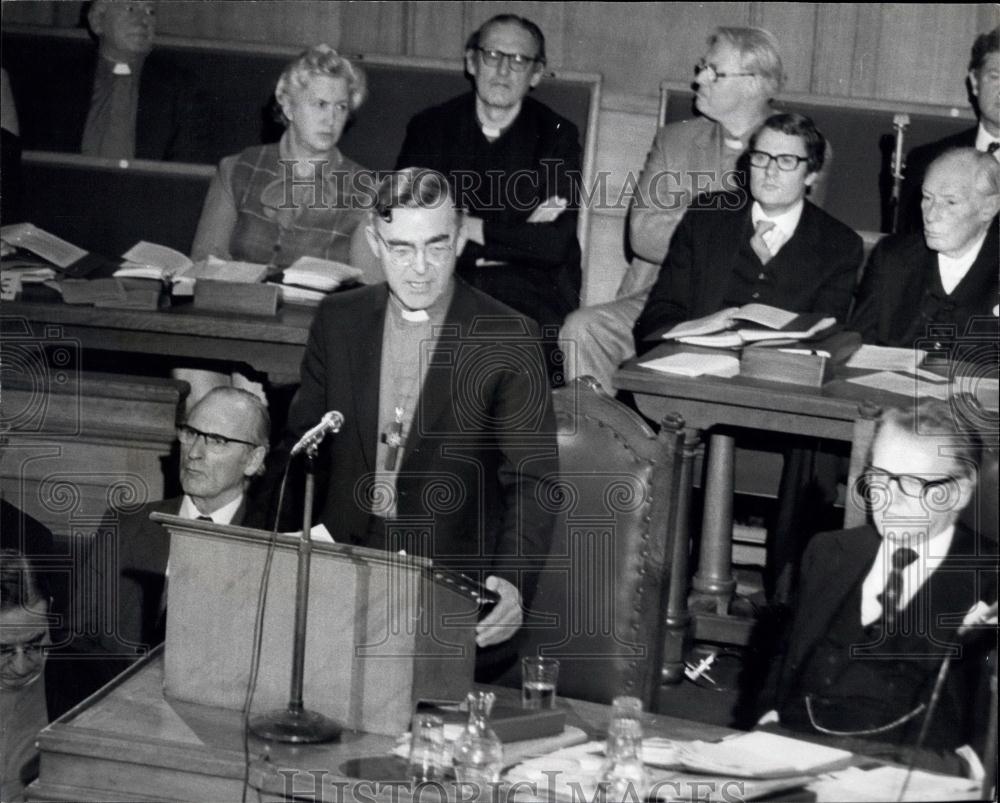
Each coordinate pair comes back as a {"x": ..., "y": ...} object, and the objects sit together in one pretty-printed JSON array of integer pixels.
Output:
[
  {"x": 404, "y": 255},
  {"x": 518, "y": 62},
  {"x": 711, "y": 75},
  {"x": 910, "y": 484},
  {"x": 32, "y": 651},
  {"x": 786, "y": 161},
  {"x": 215, "y": 442}
]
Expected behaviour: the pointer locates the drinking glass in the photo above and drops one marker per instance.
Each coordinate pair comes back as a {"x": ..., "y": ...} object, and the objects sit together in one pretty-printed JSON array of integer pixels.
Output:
[{"x": 538, "y": 682}]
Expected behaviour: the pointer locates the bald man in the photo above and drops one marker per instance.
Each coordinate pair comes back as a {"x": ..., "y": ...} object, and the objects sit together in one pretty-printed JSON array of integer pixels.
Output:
[
  {"x": 916, "y": 284},
  {"x": 223, "y": 444}
]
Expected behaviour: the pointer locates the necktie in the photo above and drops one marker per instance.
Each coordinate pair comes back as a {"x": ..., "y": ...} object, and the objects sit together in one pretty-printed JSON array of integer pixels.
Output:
[
  {"x": 757, "y": 241},
  {"x": 992, "y": 147},
  {"x": 889, "y": 597}
]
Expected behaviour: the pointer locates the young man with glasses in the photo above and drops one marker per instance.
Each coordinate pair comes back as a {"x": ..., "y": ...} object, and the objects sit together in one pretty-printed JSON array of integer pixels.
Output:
[
  {"x": 223, "y": 445},
  {"x": 514, "y": 164},
  {"x": 879, "y": 606},
  {"x": 734, "y": 82},
  {"x": 448, "y": 441},
  {"x": 773, "y": 247}
]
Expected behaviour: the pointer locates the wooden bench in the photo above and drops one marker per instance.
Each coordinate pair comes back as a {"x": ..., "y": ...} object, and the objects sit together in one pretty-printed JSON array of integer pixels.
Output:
[
  {"x": 238, "y": 79},
  {"x": 862, "y": 136}
]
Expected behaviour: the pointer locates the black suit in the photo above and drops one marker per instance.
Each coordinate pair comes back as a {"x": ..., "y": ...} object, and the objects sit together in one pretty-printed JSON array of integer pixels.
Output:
[
  {"x": 481, "y": 449},
  {"x": 127, "y": 566},
  {"x": 833, "y": 567},
  {"x": 900, "y": 297},
  {"x": 536, "y": 157},
  {"x": 917, "y": 162},
  {"x": 171, "y": 121},
  {"x": 814, "y": 271}
]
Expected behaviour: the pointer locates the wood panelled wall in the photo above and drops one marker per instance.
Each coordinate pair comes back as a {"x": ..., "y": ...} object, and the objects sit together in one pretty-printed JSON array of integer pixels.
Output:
[{"x": 888, "y": 51}]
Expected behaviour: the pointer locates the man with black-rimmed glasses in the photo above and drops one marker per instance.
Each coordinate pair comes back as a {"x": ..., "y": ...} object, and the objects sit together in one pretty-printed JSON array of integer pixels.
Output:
[
  {"x": 771, "y": 246},
  {"x": 223, "y": 445},
  {"x": 879, "y": 606},
  {"x": 513, "y": 164}
]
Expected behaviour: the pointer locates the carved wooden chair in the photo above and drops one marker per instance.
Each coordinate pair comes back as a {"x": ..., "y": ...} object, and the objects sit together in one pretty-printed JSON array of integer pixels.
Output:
[{"x": 601, "y": 599}]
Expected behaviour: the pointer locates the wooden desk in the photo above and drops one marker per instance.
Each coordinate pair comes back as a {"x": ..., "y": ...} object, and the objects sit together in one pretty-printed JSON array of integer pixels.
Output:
[
  {"x": 130, "y": 743},
  {"x": 272, "y": 345},
  {"x": 711, "y": 402}
]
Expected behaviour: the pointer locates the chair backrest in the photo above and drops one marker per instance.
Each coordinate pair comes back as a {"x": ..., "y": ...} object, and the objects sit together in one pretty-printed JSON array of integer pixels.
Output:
[{"x": 599, "y": 599}]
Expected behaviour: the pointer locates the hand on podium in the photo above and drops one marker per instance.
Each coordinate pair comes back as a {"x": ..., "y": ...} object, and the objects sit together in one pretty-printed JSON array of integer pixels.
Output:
[{"x": 506, "y": 617}]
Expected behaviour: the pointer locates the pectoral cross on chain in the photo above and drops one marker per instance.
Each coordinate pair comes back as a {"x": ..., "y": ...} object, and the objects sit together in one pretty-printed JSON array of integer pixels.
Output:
[{"x": 394, "y": 440}]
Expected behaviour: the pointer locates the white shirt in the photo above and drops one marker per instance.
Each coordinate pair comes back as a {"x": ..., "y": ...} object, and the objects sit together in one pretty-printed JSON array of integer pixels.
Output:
[
  {"x": 784, "y": 225},
  {"x": 983, "y": 140},
  {"x": 224, "y": 515},
  {"x": 930, "y": 553},
  {"x": 953, "y": 270}
]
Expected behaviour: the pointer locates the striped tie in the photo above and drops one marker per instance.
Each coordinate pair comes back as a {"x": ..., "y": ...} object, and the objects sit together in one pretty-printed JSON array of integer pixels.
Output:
[{"x": 889, "y": 597}]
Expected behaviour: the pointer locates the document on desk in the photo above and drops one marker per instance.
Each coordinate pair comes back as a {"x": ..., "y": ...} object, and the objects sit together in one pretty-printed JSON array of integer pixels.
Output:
[
  {"x": 691, "y": 364},
  {"x": 49, "y": 247},
  {"x": 904, "y": 385},
  {"x": 757, "y": 754},
  {"x": 884, "y": 358},
  {"x": 885, "y": 784}
]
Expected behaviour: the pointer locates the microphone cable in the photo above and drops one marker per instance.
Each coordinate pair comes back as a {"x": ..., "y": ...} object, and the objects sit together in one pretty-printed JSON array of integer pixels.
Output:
[{"x": 258, "y": 635}]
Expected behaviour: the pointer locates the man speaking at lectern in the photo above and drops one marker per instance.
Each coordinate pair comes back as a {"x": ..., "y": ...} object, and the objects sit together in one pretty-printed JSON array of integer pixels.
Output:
[{"x": 448, "y": 442}]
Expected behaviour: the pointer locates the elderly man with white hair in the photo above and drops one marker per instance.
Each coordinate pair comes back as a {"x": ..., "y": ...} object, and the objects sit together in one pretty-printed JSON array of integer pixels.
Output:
[{"x": 914, "y": 284}]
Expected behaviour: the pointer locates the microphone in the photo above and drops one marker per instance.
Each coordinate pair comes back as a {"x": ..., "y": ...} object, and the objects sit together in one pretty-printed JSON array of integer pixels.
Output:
[{"x": 331, "y": 422}]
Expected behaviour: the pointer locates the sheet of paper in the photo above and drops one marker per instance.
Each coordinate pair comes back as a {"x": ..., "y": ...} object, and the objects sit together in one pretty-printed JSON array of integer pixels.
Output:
[
  {"x": 157, "y": 256},
  {"x": 885, "y": 784},
  {"x": 883, "y": 358},
  {"x": 903, "y": 385},
  {"x": 760, "y": 754},
  {"x": 716, "y": 322},
  {"x": 48, "y": 246},
  {"x": 689, "y": 364},
  {"x": 771, "y": 317}
]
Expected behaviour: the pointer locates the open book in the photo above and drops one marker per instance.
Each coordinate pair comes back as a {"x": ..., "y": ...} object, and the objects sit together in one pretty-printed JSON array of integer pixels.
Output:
[
  {"x": 324, "y": 275},
  {"x": 736, "y": 326},
  {"x": 49, "y": 247},
  {"x": 146, "y": 260}
]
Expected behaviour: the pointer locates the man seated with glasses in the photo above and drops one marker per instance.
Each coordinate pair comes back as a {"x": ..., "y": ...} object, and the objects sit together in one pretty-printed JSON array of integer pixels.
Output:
[
  {"x": 24, "y": 636},
  {"x": 448, "y": 445},
  {"x": 223, "y": 444},
  {"x": 774, "y": 247},
  {"x": 514, "y": 164},
  {"x": 880, "y": 606},
  {"x": 734, "y": 84}
]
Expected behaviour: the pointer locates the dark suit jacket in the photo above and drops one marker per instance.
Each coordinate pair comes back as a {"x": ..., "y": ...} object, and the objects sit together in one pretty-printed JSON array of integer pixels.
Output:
[
  {"x": 917, "y": 162},
  {"x": 482, "y": 447},
  {"x": 813, "y": 272},
  {"x": 537, "y": 157},
  {"x": 171, "y": 123},
  {"x": 127, "y": 567},
  {"x": 890, "y": 309},
  {"x": 835, "y": 562}
]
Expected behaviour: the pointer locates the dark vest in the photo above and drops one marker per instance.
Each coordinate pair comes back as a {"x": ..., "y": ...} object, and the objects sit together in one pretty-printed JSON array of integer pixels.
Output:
[{"x": 867, "y": 678}]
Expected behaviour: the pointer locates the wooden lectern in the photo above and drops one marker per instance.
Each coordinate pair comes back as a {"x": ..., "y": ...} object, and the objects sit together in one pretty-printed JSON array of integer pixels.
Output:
[{"x": 381, "y": 633}]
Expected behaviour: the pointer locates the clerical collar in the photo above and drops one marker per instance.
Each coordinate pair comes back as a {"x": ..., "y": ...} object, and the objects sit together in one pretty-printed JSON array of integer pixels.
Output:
[
  {"x": 435, "y": 312},
  {"x": 984, "y": 138},
  {"x": 118, "y": 67},
  {"x": 492, "y": 130}
]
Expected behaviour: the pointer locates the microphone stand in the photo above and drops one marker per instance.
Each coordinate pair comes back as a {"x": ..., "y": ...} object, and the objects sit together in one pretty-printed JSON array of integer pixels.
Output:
[
  {"x": 295, "y": 723},
  {"x": 899, "y": 123}
]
